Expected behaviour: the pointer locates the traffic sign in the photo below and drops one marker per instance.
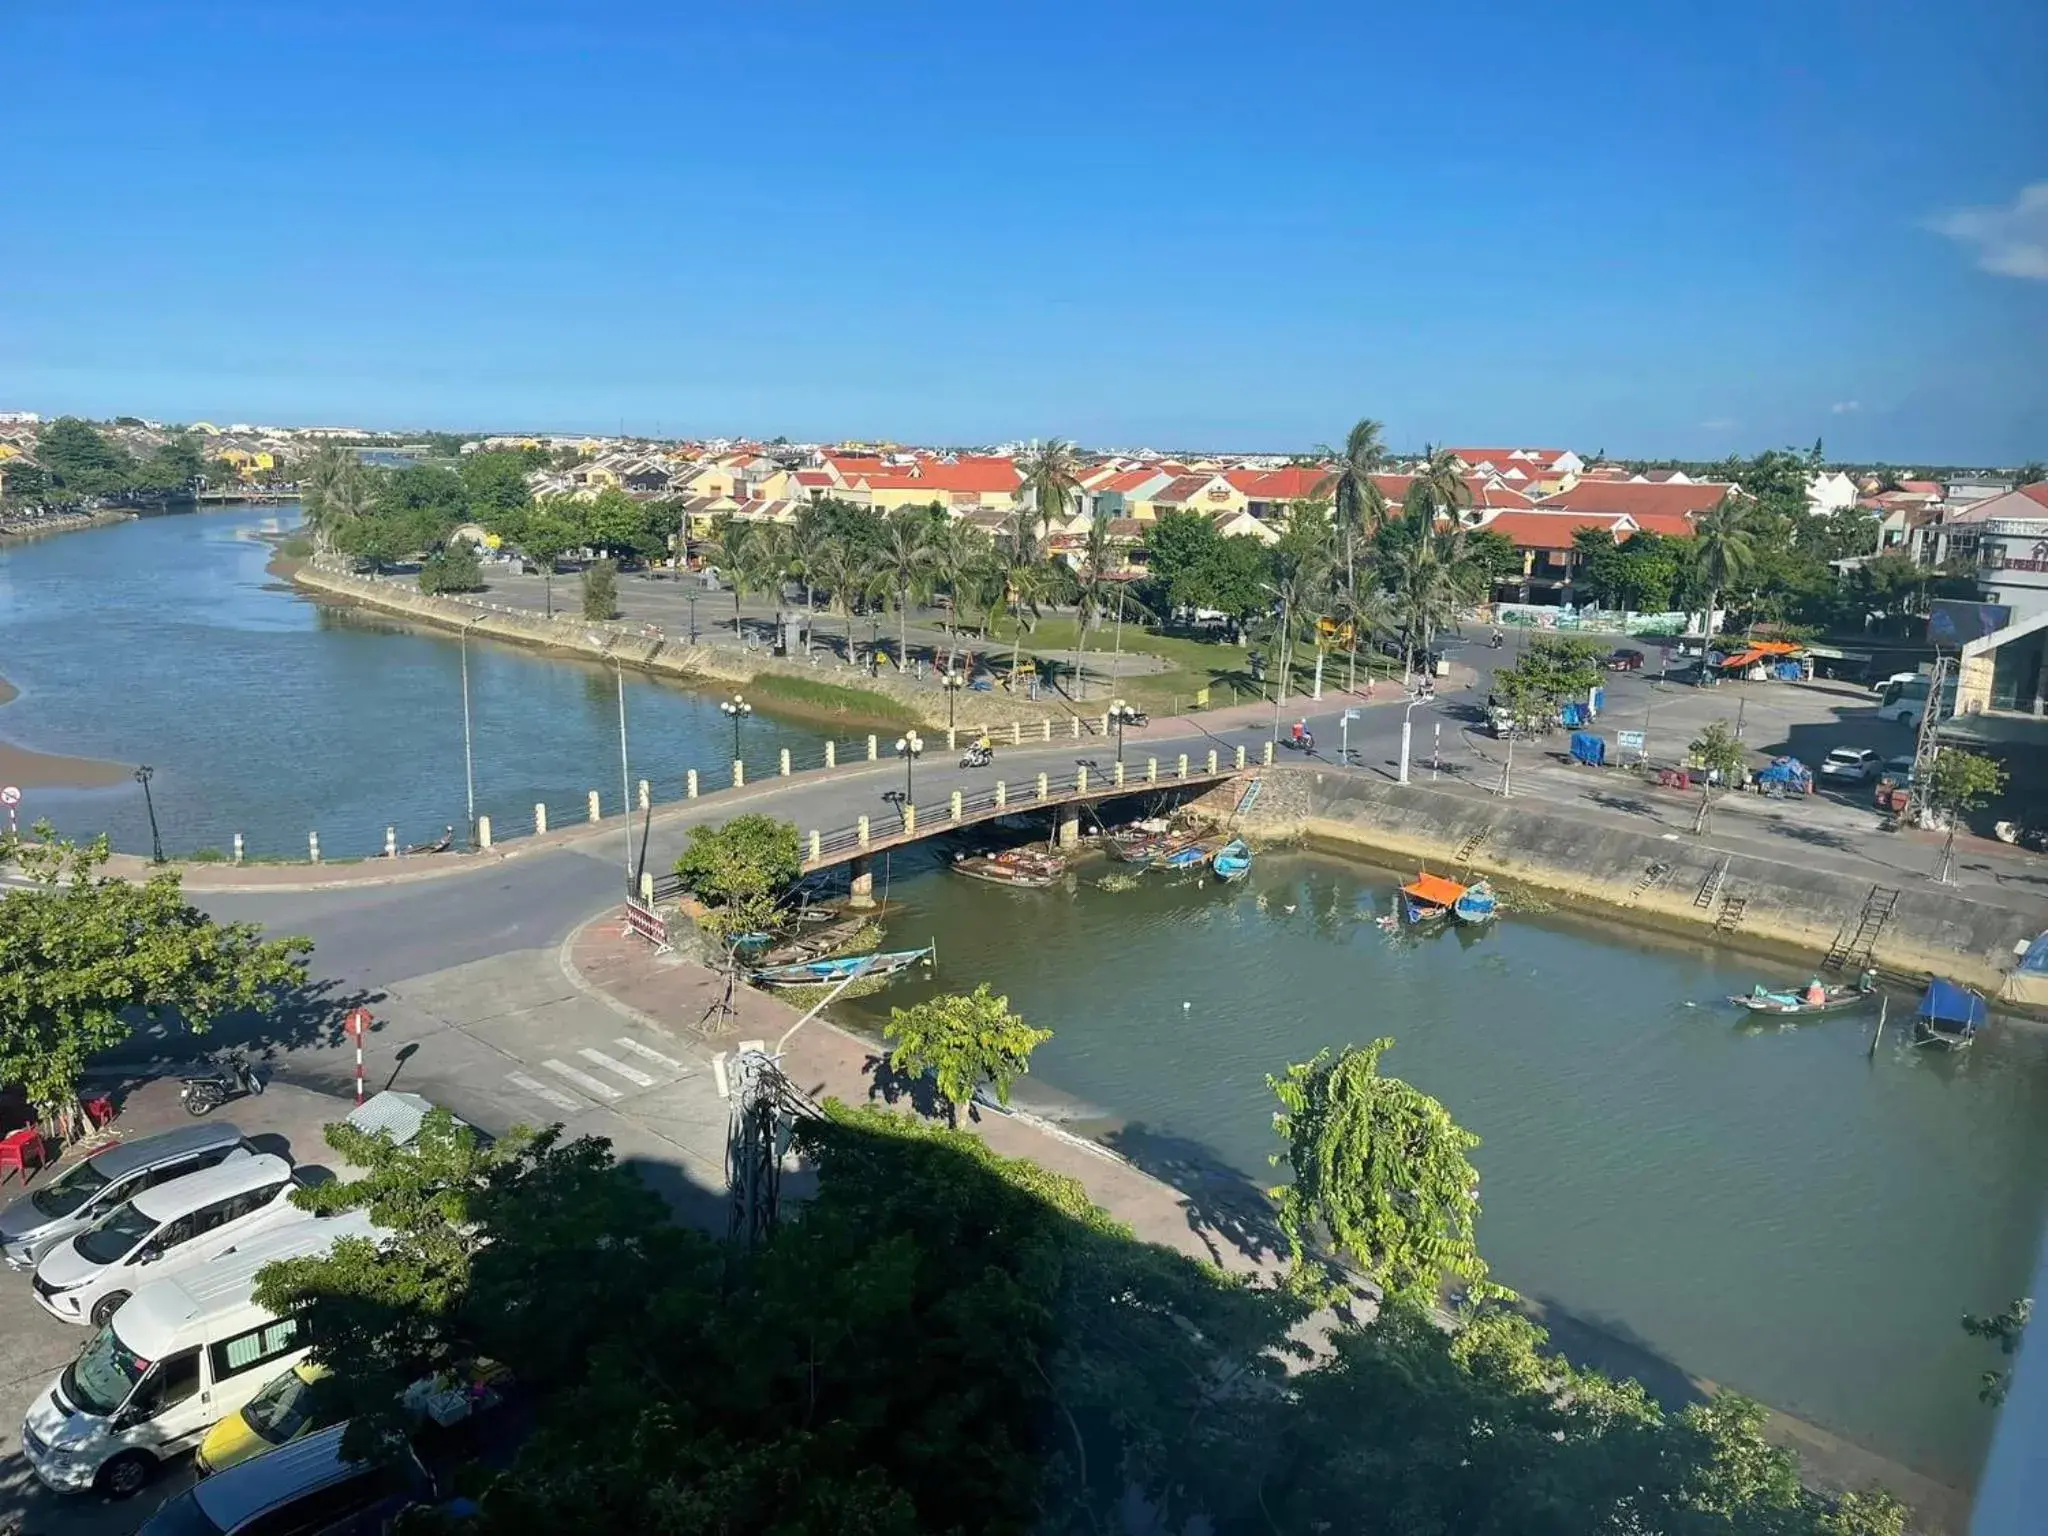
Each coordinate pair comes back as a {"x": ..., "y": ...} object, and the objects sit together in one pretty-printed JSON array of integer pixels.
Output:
[
  {"x": 1350, "y": 714},
  {"x": 10, "y": 795},
  {"x": 1629, "y": 741},
  {"x": 357, "y": 1023}
]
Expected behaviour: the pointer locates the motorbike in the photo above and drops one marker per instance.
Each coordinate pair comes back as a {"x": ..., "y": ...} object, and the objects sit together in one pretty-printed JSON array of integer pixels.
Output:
[
  {"x": 1499, "y": 640},
  {"x": 978, "y": 757},
  {"x": 1305, "y": 742},
  {"x": 205, "y": 1092}
]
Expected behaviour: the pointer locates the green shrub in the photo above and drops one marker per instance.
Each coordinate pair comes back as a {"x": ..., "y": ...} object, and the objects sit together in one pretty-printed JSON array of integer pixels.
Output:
[
  {"x": 453, "y": 568},
  {"x": 601, "y": 591}
]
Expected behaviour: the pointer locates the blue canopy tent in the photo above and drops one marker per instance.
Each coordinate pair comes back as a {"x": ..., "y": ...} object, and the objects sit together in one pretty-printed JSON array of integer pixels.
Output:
[
  {"x": 1949, "y": 1015},
  {"x": 1572, "y": 714},
  {"x": 1589, "y": 748},
  {"x": 1786, "y": 775}
]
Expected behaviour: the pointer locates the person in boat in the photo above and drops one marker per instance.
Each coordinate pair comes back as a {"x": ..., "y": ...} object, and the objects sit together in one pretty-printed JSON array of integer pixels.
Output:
[
  {"x": 1816, "y": 994},
  {"x": 1867, "y": 982}
]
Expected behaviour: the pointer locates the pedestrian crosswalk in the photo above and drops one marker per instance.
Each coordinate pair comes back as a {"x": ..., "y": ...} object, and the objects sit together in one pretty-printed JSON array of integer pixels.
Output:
[{"x": 650, "y": 1068}]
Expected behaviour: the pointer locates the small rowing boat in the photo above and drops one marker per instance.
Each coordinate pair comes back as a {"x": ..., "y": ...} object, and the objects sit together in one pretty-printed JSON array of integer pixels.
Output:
[
  {"x": 1797, "y": 1002},
  {"x": 1950, "y": 1015},
  {"x": 1478, "y": 905},
  {"x": 1188, "y": 855},
  {"x": 1232, "y": 862},
  {"x": 1136, "y": 845},
  {"x": 812, "y": 973},
  {"x": 1429, "y": 898},
  {"x": 1023, "y": 868}
]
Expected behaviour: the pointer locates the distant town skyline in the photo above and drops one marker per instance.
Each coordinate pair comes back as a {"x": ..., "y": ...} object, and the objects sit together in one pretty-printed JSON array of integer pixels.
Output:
[{"x": 1665, "y": 236}]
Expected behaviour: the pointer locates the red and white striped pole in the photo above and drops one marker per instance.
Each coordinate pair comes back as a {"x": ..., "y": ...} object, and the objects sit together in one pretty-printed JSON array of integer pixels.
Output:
[{"x": 358, "y": 1024}]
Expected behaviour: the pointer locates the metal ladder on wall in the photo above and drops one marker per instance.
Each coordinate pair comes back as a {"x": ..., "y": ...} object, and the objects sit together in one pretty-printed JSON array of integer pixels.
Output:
[
  {"x": 1732, "y": 908},
  {"x": 1878, "y": 907},
  {"x": 1656, "y": 874},
  {"x": 1711, "y": 886},
  {"x": 1471, "y": 845}
]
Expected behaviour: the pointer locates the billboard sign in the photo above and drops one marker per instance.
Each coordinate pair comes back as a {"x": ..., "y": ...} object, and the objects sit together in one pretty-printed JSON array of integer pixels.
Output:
[{"x": 1953, "y": 623}]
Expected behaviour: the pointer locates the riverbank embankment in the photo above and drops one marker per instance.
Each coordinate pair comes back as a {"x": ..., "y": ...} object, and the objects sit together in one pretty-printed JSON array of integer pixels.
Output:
[
  {"x": 1693, "y": 886},
  {"x": 792, "y": 686},
  {"x": 21, "y": 529}
]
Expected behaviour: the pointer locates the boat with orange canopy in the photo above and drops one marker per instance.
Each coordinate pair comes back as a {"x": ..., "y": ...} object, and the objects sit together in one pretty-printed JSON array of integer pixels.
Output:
[{"x": 1429, "y": 898}]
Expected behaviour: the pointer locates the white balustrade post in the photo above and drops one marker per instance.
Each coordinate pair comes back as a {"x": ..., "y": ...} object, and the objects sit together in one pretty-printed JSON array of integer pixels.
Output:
[
  {"x": 1266, "y": 753},
  {"x": 909, "y": 817},
  {"x": 1081, "y": 780},
  {"x": 1119, "y": 773},
  {"x": 874, "y": 748},
  {"x": 956, "y": 805},
  {"x": 391, "y": 842},
  {"x": 238, "y": 847},
  {"x": 1151, "y": 770},
  {"x": 1212, "y": 759},
  {"x": 739, "y": 773},
  {"x": 483, "y": 832},
  {"x": 1182, "y": 770},
  {"x": 861, "y": 831},
  {"x": 313, "y": 846},
  {"x": 1002, "y": 793},
  {"x": 817, "y": 845},
  {"x": 647, "y": 887},
  {"x": 831, "y": 754},
  {"x": 595, "y": 813},
  {"x": 1043, "y": 791},
  {"x": 540, "y": 817},
  {"x": 646, "y": 794},
  {"x": 782, "y": 762},
  {"x": 1240, "y": 754},
  {"x": 1016, "y": 733},
  {"x": 690, "y": 785}
]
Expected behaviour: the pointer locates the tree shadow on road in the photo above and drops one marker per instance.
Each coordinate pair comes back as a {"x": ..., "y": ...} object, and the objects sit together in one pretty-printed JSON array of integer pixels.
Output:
[
  {"x": 889, "y": 1086},
  {"x": 1628, "y": 805},
  {"x": 1813, "y": 836},
  {"x": 1221, "y": 1201}
]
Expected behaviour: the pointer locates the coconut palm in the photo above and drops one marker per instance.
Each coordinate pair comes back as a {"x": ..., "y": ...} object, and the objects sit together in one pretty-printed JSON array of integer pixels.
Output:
[
  {"x": 1431, "y": 579},
  {"x": 1094, "y": 580},
  {"x": 907, "y": 552},
  {"x": 1358, "y": 508},
  {"x": 1052, "y": 474},
  {"x": 337, "y": 491},
  {"x": 1028, "y": 587},
  {"x": 1724, "y": 552},
  {"x": 848, "y": 570},
  {"x": 1439, "y": 488},
  {"x": 958, "y": 552}
]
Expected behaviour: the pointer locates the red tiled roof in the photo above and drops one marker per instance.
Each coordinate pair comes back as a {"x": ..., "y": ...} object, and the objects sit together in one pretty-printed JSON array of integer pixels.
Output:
[
  {"x": 1500, "y": 458},
  {"x": 1923, "y": 487},
  {"x": 1633, "y": 498},
  {"x": 1129, "y": 480},
  {"x": 1183, "y": 489},
  {"x": 1292, "y": 484},
  {"x": 1535, "y": 530},
  {"x": 971, "y": 475},
  {"x": 814, "y": 477},
  {"x": 1673, "y": 525}
]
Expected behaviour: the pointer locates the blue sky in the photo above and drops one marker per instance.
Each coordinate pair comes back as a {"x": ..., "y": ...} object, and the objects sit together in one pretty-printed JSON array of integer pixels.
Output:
[{"x": 1683, "y": 228}]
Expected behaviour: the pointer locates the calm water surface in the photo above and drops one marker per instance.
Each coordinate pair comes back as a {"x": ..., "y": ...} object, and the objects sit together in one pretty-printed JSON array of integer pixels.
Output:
[
  {"x": 163, "y": 641},
  {"x": 1766, "y": 1208}
]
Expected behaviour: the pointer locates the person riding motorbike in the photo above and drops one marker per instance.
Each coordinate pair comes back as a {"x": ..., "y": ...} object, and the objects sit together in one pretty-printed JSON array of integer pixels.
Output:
[{"x": 1499, "y": 639}]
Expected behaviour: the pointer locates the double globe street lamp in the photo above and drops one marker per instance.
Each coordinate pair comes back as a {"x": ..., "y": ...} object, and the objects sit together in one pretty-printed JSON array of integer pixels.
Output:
[
  {"x": 1120, "y": 715},
  {"x": 952, "y": 682},
  {"x": 909, "y": 747},
  {"x": 736, "y": 709}
]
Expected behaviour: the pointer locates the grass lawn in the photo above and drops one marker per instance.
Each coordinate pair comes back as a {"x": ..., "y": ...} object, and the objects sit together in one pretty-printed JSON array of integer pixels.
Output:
[
  {"x": 1192, "y": 664},
  {"x": 830, "y": 700}
]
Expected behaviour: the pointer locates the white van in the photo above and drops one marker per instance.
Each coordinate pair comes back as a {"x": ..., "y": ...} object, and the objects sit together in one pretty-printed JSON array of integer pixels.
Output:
[
  {"x": 86, "y": 1277},
  {"x": 184, "y": 1353},
  {"x": 1904, "y": 699}
]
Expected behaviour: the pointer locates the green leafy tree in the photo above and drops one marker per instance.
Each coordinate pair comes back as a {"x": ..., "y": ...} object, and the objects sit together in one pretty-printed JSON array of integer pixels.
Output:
[
  {"x": 750, "y": 855},
  {"x": 2033, "y": 472},
  {"x": 964, "y": 1040},
  {"x": 601, "y": 591},
  {"x": 548, "y": 533},
  {"x": 1381, "y": 1169},
  {"x": 452, "y": 568},
  {"x": 83, "y": 461},
  {"x": 83, "y": 956},
  {"x": 1431, "y": 579},
  {"x": 1958, "y": 783},
  {"x": 1719, "y": 754},
  {"x": 2005, "y": 1329},
  {"x": 526, "y": 1249},
  {"x": 1494, "y": 556},
  {"x": 1552, "y": 670},
  {"x": 616, "y": 524},
  {"x": 906, "y": 556},
  {"x": 496, "y": 481}
]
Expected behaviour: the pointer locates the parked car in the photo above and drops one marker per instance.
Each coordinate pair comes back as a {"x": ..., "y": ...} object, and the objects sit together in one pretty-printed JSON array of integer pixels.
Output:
[
  {"x": 1854, "y": 764},
  {"x": 86, "y": 1191},
  {"x": 305, "y": 1486},
  {"x": 87, "y": 1277},
  {"x": 288, "y": 1407},
  {"x": 1625, "y": 660}
]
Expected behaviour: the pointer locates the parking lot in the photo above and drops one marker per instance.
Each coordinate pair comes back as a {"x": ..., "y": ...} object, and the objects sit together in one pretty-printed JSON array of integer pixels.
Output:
[{"x": 34, "y": 1346}]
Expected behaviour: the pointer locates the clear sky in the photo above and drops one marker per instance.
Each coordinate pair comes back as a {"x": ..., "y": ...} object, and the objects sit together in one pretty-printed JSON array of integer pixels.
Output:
[{"x": 1671, "y": 228}]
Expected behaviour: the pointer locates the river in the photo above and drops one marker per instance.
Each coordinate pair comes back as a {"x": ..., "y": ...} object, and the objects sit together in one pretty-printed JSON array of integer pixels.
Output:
[
  {"x": 165, "y": 641},
  {"x": 1765, "y": 1208}
]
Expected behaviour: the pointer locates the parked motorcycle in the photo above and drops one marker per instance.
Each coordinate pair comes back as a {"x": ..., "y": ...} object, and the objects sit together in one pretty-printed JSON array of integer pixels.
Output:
[
  {"x": 978, "y": 757},
  {"x": 207, "y": 1091}
]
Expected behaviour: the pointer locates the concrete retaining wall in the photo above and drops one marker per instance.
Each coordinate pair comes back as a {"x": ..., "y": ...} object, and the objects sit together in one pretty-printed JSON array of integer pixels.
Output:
[
  {"x": 1933, "y": 928},
  {"x": 649, "y": 649}
]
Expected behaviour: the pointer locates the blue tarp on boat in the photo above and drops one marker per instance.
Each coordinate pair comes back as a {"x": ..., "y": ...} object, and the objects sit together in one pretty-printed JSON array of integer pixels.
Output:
[
  {"x": 1952, "y": 1009},
  {"x": 2035, "y": 961},
  {"x": 1589, "y": 748}
]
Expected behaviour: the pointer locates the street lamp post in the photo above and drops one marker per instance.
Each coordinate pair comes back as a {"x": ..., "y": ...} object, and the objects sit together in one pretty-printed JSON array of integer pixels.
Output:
[
  {"x": 736, "y": 709},
  {"x": 156, "y": 842},
  {"x": 468, "y": 753},
  {"x": 908, "y": 747},
  {"x": 625, "y": 773},
  {"x": 692, "y": 599},
  {"x": 1121, "y": 715},
  {"x": 952, "y": 682},
  {"x": 1407, "y": 733}
]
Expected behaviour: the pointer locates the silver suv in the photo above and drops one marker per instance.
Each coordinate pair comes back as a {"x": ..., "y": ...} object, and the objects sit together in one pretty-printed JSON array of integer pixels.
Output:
[{"x": 86, "y": 1191}]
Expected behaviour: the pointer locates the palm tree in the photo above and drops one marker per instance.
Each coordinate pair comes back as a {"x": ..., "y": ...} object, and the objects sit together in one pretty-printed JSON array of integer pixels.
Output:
[
  {"x": 1725, "y": 552},
  {"x": 2030, "y": 473},
  {"x": 337, "y": 491},
  {"x": 729, "y": 541},
  {"x": 1028, "y": 587},
  {"x": 849, "y": 571},
  {"x": 958, "y": 551},
  {"x": 1431, "y": 579},
  {"x": 1439, "y": 488},
  {"x": 1092, "y": 581},
  {"x": 1052, "y": 474},
  {"x": 1358, "y": 506},
  {"x": 907, "y": 552}
]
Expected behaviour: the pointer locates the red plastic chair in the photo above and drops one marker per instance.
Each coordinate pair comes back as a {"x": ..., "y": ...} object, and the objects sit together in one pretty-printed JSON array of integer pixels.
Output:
[
  {"x": 21, "y": 1148},
  {"x": 99, "y": 1112}
]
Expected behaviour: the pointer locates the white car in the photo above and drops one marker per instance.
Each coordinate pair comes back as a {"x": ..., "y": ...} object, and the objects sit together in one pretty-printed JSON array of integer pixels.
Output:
[
  {"x": 1852, "y": 763},
  {"x": 86, "y": 1278}
]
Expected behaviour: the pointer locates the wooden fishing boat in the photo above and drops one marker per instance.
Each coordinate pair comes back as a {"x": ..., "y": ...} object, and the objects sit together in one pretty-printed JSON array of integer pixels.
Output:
[
  {"x": 1023, "y": 868},
  {"x": 815, "y": 943},
  {"x": 1477, "y": 906},
  {"x": 1429, "y": 898},
  {"x": 1791, "y": 1001},
  {"x": 1232, "y": 862},
  {"x": 1183, "y": 855},
  {"x": 1134, "y": 845},
  {"x": 811, "y": 973},
  {"x": 1950, "y": 1015}
]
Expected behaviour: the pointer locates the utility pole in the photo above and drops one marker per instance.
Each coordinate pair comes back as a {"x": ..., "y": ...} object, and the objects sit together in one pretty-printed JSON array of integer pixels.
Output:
[{"x": 468, "y": 753}]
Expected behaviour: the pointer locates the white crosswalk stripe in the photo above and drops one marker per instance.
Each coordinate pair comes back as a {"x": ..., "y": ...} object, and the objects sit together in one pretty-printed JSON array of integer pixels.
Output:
[
  {"x": 612, "y": 1064},
  {"x": 541, "y": 1090},
  {"x": 596, "y": 1087},
  {"x": 649, "y": 1053}
]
